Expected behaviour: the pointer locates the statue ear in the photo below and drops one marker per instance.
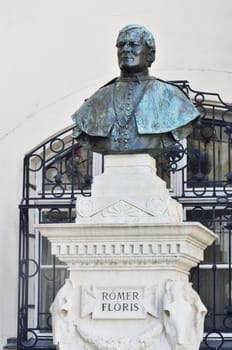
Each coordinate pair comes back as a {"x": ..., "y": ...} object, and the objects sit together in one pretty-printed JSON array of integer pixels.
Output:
[{"x": 150, "y": 58}]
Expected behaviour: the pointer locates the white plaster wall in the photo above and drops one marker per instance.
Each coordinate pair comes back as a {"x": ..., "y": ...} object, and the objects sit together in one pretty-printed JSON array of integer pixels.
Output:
[{"x": 54, "y": 53}]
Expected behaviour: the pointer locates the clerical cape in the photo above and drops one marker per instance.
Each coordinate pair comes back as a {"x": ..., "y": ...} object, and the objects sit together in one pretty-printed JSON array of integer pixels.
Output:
[{"x": 162, "y": 108}]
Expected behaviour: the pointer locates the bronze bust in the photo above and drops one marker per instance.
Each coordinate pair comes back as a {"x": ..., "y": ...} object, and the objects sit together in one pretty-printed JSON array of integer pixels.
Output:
[{"x": 134, "y": 113}]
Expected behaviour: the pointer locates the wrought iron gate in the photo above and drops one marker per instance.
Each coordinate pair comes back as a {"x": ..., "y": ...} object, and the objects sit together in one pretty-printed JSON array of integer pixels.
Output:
[{"x": 199, "y": 173}]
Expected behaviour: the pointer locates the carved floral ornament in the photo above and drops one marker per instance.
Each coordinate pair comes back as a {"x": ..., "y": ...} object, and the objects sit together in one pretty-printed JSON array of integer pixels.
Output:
[{"x": 86, "y": 207}]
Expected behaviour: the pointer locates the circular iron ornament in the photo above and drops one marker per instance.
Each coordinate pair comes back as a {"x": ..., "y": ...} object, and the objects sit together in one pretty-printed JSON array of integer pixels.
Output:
[
  {"x": 173, "y": 155},
  {"x": 199, "y": 98},
  {"x": 227, "y": 212},
  {"x": 84, "y": 188},
  {"x": 227, "y": 322},
  {"x": 54, "y": 215},
  {"x": 229, "y": 177},
  {"x": 228, "y": 130},
  {"x": 227, "y": 188},
  {"x": 49, "y": 321},
  {"x": 25, "y": 265},
  {"x": 57, "y": 145},
  {"x": 226, "y": 116},
  {"x": 173, "y": 167},
  {"x": 207, "y": 132},
  {"x": 228, "y": 224},
  {"x": 214, "y": 343},
  {"x": 199, "y": 192},
  {"x": 198, "y": 213},
  {"x": 48, "y": 177},
  {"x": 28, "y": 338},
  {"x": 60, "y": 191},
  {"x": 39, "y": 162}
]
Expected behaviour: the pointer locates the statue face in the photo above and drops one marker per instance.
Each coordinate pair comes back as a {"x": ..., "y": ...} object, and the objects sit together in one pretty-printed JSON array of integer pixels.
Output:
[{"x": 132, "y": 51}]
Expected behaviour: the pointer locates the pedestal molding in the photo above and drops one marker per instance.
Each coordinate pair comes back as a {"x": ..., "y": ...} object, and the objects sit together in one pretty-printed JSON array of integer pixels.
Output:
[{"x": 119, "y": 246}]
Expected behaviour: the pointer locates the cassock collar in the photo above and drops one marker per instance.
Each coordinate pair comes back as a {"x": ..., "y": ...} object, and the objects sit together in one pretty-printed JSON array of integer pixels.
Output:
[{"x": 141, "y": 76}]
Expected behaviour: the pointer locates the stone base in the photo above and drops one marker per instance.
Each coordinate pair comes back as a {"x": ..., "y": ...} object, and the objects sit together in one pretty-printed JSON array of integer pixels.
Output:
[
  {"x": 129, "y": 191},
  {"x": 128, "y": 286},
  {"x": 129, "y": 256}
]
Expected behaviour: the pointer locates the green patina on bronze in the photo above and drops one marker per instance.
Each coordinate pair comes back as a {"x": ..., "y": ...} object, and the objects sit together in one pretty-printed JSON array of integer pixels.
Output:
[{"x": 136, "y": 112}]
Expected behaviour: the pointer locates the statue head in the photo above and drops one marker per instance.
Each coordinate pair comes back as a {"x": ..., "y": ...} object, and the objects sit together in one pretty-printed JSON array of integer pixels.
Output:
[{"x": 136, "y": 49}]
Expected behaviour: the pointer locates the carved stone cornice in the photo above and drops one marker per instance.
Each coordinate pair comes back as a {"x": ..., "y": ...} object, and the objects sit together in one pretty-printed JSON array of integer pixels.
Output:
[{"x": 178, "y": 246}]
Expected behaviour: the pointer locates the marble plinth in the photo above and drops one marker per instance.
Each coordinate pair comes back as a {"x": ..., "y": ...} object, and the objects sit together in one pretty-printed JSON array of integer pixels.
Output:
[
  {"x": 129, "y": 255},
  {"x": 129, "y": 192}
]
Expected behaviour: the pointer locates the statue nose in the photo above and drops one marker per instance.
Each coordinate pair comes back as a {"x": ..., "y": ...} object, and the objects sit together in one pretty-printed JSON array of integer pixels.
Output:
[{"x": 127, "y": 47}]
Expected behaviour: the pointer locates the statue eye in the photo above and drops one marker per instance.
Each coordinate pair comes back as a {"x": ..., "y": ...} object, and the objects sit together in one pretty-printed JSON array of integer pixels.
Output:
[
  {"x": 134, "y": 43},
  {"x": 120, "y": 44}
]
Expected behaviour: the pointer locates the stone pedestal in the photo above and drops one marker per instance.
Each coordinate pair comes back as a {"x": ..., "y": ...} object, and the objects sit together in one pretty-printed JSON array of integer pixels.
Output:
[
  {"x": 129, "y": 256},
  {"x": 129, "y": 192}
]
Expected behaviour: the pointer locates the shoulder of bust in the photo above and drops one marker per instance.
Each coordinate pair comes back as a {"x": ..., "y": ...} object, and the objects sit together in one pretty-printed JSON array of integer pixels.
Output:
[
  {"x": 112, "y": 81},
  {"x": 170, "y": 86}
]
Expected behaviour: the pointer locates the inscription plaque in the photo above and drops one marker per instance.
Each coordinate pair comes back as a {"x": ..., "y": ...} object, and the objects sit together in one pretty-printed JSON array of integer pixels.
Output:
[{"x": 118, "y": 302}]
